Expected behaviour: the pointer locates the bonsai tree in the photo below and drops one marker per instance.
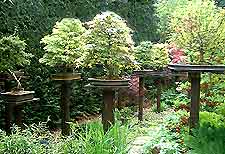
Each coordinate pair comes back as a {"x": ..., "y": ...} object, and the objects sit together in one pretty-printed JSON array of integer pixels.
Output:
[
  {"x": 12, "y": 56},
  {"x": 64, "y": 47},
  {"x": 200, "y": 31},
  {"x": 109, "y": 44},
  {"x": 152, "y": 56}
]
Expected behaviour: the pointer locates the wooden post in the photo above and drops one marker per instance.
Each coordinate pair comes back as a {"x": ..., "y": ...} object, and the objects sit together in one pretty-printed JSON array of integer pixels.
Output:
[
  {"x": 158, "y": 94},
  {"x": 18, "y": 109},
  {"x": 9, "y": 107},
  {"x": 195, "y": 99},
  {"x": 65, "y": 106},
  {"x": 141, "y": 98},
  {"x": 107, "y": 110}
]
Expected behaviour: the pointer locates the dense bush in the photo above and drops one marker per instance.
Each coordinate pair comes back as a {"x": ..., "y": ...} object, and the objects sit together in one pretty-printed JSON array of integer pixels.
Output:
[
  {"x": 207, "y": 140},
  {"x": 12, "y": 53},
  {"x": 64, "y": 47},
  {"x": 165, "y": 10},
  {"x": 152, "y": 56}
]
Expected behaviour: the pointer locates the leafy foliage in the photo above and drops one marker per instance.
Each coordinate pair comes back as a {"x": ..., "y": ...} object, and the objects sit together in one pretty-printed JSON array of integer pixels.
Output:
[
  {"x": 212, "y": 119},
  {"x": 12, "y": 53},
  {"x": 87, "y": 138},
  {"x": 220, "y": 109},
  {"x": 173, "y": 98},
  {"x": 164, "y": 11},
  {"x": 109, "y": 44},
  {"x": 200, "y": 31},
  {"x": 207, "y": 140},
  {"x": 31, "y": 20},
  {"x": 64, "y": 46},
  {"x": 152, "y": 56}
]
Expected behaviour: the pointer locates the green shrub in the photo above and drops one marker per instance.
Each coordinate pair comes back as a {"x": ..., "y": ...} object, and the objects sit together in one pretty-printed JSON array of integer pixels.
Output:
[
  {"x": 20, "y": 142},
  {"x": 221, "y": 109},
  {"x": 12, "y": 53},
  {"x": 152, "y": 56},
  {"x": 164, "y": 11},
  {"x": 64, "y": 47},
  {"x": 109, "y": 44},
  {"x": 85, "y": 139},
  {"x": 206, "y": 140},
  {"x": 213, "y": 119}
]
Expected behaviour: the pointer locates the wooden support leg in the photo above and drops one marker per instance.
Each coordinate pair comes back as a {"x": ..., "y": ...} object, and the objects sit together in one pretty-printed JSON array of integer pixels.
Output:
[
  {"x": 65, "y": 107},
  {"x": 141, "y": 98},
  {"x": 9, "y": 107},
  {"x": 107, "y": 111},
  {"x": 158, "y": 95},
  {"x": 195, "y": 99},
  {"x": 19, "y": 115}
]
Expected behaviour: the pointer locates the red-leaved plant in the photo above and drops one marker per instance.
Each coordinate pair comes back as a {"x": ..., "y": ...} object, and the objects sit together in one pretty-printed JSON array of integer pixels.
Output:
[{"x": 177, "y": 55}]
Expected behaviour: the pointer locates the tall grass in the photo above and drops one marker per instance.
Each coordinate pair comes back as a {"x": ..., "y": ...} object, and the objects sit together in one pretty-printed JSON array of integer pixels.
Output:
[
  {"x": 92, "y": 139},
  {"x": 86, "y": 139}
]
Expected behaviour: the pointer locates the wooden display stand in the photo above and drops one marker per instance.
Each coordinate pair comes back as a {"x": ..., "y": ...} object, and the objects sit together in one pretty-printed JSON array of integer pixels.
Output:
[
  {"x": 108, "y": 87},
  {"x": 14, "y": 106},
  {"x": 194, "y": 73},
  {"x": 158, "y": 75},
  {"x": 65, "y": 79}
]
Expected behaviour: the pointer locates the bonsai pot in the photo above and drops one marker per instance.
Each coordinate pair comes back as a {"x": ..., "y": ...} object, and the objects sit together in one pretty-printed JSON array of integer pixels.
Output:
[
  {"x": 18, "y": 97},
  {"x": 108, "y": 83},
  {"x": 149, "y": 72}
]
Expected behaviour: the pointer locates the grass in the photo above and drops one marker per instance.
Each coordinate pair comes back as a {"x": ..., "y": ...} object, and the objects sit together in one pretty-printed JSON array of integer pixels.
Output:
[{"x": 85, "y": 139}]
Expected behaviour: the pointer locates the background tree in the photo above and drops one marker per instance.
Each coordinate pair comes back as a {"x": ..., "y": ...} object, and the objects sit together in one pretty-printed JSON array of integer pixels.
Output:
[{"x": 200, "y": 31}]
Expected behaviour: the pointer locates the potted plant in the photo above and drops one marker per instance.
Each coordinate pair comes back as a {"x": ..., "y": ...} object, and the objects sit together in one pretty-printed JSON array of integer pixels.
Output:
[
  {"x": 153, "y": 59},
  {"x": 12, "y": 56},
  {"x": 152, "y": 56},
  {"x": 109, "y": 47},
  {"x": 109, "y": 44},
  {"x": 64, "y": 48},
  {"x": 64, "y": 51}
]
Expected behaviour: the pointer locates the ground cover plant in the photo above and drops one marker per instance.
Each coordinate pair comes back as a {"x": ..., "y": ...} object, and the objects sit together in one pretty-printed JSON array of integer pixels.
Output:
[{"x": 85, "y": 138}]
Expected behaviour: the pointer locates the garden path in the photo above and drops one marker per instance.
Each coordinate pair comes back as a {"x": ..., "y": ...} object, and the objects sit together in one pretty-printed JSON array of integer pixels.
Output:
[{"x": 138, "y": 145}]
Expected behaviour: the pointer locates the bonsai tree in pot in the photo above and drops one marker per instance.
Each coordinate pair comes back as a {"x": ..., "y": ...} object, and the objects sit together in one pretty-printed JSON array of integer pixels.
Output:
[
  {"x": 152, "y": 56},
  {"x": 109, "y": 46},
  {"x": 153, "y": 59},
  {"x": 64, "y": 50},
  {"x": 64, "y": 47},
  {"x": 12, "y": 56}
]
